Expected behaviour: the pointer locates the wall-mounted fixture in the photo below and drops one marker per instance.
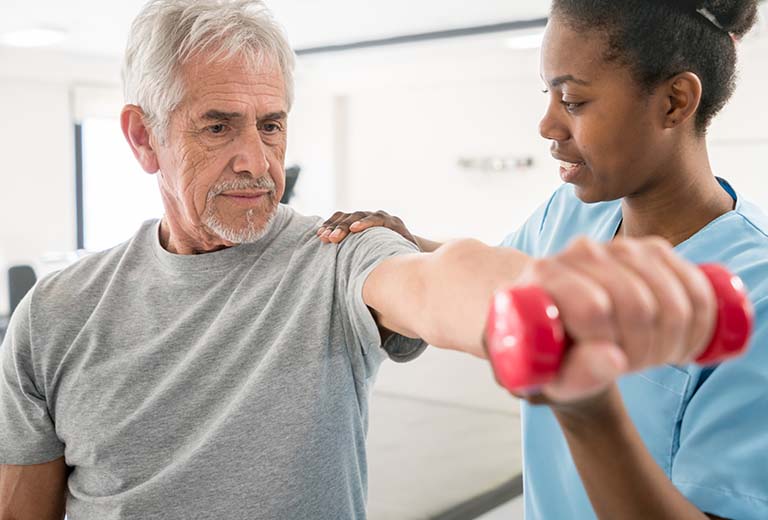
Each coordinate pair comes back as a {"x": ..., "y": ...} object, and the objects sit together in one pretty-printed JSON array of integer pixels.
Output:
[{"x": 496, "y": 164}]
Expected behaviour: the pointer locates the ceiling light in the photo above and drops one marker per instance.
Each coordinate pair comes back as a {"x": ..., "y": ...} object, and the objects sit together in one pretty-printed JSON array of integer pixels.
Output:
[
  {"x": 525, "y": 41},
  {"x": 33, "y": 37}
]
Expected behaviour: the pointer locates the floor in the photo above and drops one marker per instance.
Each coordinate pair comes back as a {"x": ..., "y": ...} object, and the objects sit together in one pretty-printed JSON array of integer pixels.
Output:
[
  {"x": 512, "y": 510},
  {"x": 441, "y": 433}
]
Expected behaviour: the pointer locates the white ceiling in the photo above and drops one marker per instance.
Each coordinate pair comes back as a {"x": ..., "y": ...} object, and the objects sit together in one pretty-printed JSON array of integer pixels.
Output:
[{"x": 100, "y": 27}]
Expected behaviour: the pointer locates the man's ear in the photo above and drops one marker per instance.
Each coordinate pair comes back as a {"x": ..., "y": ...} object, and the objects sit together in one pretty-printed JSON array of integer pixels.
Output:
[
  {"x": 139, "y": 137},
  {"x": 682, "y": 98}
]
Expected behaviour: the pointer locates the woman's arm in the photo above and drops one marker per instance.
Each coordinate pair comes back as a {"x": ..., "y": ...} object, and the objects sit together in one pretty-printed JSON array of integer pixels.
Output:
[
  {"x": 35, "y": 492},
  {"x": 619, "y": 474}
]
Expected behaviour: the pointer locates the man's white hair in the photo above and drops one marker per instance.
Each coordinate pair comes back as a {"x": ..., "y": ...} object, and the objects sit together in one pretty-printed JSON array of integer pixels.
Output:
[{"x": 168, "y": 33}]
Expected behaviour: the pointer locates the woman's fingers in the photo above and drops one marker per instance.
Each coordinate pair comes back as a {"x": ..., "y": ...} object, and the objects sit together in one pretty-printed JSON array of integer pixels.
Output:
[
  {"x": 336, "y": 229},
  {"x": 340, "y": 225},
  {"x": 331, "y": 222}
]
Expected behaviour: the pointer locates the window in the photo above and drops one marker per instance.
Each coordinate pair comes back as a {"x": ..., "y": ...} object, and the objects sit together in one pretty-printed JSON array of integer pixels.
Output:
[{"x": 117, "y": 194}]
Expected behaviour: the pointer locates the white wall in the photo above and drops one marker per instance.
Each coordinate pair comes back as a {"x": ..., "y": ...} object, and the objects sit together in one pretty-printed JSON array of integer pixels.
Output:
[
  {"x": 37, "y": 181},
  {"x": 404, "y": 117},
  {"x": 738, "y": 140}
]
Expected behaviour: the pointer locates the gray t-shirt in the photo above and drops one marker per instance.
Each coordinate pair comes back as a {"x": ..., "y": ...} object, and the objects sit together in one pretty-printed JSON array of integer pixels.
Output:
[{"x": 230, "y": 385}]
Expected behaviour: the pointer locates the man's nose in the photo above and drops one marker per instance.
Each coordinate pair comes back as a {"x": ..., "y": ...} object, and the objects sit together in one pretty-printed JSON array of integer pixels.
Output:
[{"x": 251, "y": 156}]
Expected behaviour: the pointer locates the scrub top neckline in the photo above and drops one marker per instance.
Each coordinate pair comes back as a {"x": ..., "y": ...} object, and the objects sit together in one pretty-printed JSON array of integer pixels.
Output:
[{"x": 619, "y": 218}]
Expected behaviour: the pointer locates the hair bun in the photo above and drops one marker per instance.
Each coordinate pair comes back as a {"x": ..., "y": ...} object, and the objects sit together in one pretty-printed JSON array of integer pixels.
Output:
[{"x": 735, "y": 16}]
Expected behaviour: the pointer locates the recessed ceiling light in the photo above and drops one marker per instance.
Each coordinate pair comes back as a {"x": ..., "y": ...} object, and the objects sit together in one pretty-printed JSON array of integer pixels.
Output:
[
  {"x": 525, "y": 41},
  {"x": 33, "y": 37}
]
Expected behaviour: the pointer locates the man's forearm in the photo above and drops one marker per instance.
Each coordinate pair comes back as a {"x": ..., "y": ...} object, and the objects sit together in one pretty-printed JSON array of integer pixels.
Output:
[
  {"x": 619, "y": 474},
  {"x": 442, "y": 297}
]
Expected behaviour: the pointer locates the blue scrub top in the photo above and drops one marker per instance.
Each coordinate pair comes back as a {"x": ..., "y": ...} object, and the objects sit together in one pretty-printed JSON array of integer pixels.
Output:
[{"x": 707, "y": 427}]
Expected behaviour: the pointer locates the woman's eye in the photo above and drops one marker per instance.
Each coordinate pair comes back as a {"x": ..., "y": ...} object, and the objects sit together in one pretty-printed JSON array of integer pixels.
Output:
[{"x": 571, "y": 106}]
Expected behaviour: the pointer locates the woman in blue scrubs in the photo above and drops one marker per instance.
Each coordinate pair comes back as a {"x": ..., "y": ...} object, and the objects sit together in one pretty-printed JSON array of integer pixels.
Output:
[{"x": 633, "y": 87}]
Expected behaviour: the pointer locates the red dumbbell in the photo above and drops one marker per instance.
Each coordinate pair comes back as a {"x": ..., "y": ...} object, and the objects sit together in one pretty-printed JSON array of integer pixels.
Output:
[{"x": 525, "y": 339}]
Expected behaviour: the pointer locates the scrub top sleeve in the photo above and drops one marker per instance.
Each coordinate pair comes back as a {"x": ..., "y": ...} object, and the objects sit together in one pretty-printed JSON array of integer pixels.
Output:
[
  {"x": 526, "y": 237},
  {"x": 721, "y": 464}
]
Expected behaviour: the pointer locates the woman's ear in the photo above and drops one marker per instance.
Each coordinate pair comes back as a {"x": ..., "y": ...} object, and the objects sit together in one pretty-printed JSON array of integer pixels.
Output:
[
  {"x": 682, "y": 98},
  {"x": 139, "y": 137}
]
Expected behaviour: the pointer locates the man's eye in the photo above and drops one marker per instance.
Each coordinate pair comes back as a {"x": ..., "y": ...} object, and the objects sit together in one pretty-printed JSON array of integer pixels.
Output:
[
  {"x": 217, "y": 129},
  {"x": 271, "y": 128}
]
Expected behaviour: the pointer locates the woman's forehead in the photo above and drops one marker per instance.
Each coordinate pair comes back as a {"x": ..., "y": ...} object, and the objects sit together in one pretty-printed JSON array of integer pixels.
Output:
[{"x": 571, "y": 56}]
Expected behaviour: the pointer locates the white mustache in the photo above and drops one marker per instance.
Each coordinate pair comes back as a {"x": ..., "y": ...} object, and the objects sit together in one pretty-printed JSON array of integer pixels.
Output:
[{"x": 260, "y": 183}]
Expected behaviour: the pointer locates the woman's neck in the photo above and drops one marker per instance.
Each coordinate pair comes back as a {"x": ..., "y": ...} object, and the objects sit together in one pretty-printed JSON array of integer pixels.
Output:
[{"x": 687, "y": 198}]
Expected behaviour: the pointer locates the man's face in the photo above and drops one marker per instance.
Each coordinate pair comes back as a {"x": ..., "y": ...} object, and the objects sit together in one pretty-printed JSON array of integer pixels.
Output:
[
  {"x": 221, "y": 166},
  {"x": 602, "y": 125}
]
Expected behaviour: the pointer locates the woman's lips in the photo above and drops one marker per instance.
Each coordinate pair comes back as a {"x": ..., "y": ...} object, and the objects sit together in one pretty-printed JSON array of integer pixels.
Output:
[{"x": 570, "y": 171}]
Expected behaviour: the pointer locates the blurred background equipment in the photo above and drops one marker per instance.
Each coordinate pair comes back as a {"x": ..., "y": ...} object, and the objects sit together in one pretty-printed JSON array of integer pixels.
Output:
[{"x": 291, "y": 176}]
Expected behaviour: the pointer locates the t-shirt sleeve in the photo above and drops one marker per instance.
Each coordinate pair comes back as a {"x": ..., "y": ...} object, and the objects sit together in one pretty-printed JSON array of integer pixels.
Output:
[
  {"x": 359, "y": 255},
  {"x": 27, "y": 431},
  {"x": 722, "y": 461}
]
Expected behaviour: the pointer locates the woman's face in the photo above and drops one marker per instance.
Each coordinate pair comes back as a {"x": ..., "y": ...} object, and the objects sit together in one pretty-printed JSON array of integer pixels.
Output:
[{"x": 606, "y": 131}]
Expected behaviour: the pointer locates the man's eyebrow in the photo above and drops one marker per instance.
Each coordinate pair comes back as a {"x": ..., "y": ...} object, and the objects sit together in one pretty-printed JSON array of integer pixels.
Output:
[
  {"x": 218, "y": 115},
  {"x": 567, "y": 78},
  {"x": 275, "y": 116}
]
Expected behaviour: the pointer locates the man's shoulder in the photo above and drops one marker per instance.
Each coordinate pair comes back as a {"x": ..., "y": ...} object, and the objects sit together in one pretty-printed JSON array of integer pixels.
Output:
[
  {"x": 83, "y": 280},
  {"x": 294, "y": 229},
  {"x": 378, "y": 240},
  {"x": 300, "y": 231}
]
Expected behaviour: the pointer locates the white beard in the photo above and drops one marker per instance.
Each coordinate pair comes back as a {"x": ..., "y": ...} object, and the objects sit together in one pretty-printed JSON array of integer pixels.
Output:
[
  {"x": 252, "y": 231},
  {"x": 247, "y": 234}
]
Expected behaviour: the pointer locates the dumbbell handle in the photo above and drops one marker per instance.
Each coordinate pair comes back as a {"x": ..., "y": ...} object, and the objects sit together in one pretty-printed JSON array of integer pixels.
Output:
[{"x": 526, "y": 341}]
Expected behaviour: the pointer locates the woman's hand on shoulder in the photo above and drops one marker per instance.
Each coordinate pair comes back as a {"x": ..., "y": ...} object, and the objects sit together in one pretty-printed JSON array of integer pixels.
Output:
[{"x": 341, "y": 224}]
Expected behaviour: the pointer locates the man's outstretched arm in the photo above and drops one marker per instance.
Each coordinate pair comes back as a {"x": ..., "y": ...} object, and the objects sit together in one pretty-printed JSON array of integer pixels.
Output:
[
  {"x": 442, "y": 297},
  {"x": 623, "y": 312}
]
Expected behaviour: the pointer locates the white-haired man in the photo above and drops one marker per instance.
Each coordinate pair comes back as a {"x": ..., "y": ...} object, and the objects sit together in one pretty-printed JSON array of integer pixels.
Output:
[{"x": 218, "y": 364}]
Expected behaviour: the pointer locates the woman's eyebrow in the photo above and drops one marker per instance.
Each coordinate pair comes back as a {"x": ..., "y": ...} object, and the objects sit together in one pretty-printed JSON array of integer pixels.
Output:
[{"x": 566, "y": 78}]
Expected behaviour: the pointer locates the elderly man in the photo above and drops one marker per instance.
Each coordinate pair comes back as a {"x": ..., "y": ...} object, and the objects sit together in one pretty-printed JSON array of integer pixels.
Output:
[{"x": 218, "y": 364}]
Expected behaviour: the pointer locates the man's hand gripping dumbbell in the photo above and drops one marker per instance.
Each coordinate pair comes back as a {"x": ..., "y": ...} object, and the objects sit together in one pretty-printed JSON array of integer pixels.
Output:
[{"x": 568, "y": 350}]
